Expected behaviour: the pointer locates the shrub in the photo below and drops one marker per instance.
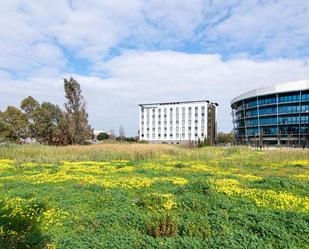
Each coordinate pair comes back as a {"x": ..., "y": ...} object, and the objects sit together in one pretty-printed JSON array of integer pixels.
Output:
[{"x": 162, "y": 225}]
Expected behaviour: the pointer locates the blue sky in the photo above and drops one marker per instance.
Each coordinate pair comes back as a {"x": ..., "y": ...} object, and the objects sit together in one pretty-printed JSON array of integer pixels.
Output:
[{"x": 129, "y": 52}]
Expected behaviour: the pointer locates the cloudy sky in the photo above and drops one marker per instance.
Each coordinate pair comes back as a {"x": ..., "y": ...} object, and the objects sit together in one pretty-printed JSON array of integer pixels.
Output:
[{"x": 129, "y": 52}]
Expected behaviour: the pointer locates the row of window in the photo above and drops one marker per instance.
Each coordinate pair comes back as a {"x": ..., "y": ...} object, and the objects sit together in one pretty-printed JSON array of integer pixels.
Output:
[
  {"x": 171, "y": 122},
  {"x": 273, "y": 99},
  {"x": 273, "y": 130},
  {"x": 171, "y": 135},
  {"x": 171, "y": 116},
  {"x": 273, "y": 120},
  {"x": 176, "y": 108},
  {"x": 171, "y": 128},
  {"x": 273, "y": 110}
]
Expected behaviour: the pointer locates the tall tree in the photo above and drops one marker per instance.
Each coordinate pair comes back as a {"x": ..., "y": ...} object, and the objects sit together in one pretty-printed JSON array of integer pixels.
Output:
[
  {"x": 31, "y": 108},
  {"x": 121, "y": 133},
  {"x": 76, "y": 109}
]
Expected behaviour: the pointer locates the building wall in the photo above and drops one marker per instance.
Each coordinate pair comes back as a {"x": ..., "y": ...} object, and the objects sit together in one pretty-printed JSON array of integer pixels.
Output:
[
  {"x": 173, "y": 122},
  {"x": 277, "y": 118}
]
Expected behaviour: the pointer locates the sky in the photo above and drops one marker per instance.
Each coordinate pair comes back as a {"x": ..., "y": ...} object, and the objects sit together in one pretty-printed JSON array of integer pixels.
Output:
[{"x": 128, "y": 52}]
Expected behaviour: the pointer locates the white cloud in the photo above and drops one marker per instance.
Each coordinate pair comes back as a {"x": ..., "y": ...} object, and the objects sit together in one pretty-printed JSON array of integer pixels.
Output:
[
  {"x": 41, "y": 41},
  {"x": 138, "y": 77},
  {"x": 265, "y": 28}
]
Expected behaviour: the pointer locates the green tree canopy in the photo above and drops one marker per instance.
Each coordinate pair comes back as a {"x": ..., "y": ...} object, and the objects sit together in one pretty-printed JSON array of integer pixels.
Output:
[
  {"x": 102, "y": 136},
  {"x": 13, "y": 124}
]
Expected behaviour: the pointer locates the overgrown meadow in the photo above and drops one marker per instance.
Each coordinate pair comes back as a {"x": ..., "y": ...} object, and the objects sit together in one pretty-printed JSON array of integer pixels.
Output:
[{"x": 153, "y": 196}]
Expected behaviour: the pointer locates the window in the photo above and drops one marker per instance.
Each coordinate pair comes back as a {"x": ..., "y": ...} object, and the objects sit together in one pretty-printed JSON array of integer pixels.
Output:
[
  {"x": 289, "y": 98},
  {"x": 268, "y": 100}
]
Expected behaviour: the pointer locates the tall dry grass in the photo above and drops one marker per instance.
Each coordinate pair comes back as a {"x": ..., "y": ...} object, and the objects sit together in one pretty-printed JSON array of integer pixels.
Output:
[
  {"x": 98, "y": 152},
  {"x": 121, "y": 151}
]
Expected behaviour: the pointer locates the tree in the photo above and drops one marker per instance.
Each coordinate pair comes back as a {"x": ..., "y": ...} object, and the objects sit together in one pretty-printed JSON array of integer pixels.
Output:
[
  {"x": 121, "y": 133},
  {"x": 31, "y": 108},
  {"x": 13, "y": 125},
  {"x": 46, "y": 123},
  {"x": 112, "y": 135},
  {"x": 226, "y": 138},
  {"x": 76, "y": 109},
  {"x": 102, "y": 136}
]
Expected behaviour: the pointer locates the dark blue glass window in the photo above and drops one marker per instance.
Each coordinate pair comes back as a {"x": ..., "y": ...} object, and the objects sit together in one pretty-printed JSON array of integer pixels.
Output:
[
  {"x": 252, "y": 122},
  {"x": 288, "y": 119},
  {"x": 289, "y": 98},
  {"x": 304, "y": 119},
  {"x": 268, "y": 110},
  {"x": 305, "y": 96},
  {"x": 251, "y": 103},
  {"x": 289, "y": 109},
  {"x": 289, "y": 129},
  {"x": 267, "y": 101},
  {"x": 268, "y": 120},
  {"x": 269, "y": 130},
  {"x": 251, "y": 112},
  {"x": 252, "y": 131},
  {"x": 305, "y": 108}
]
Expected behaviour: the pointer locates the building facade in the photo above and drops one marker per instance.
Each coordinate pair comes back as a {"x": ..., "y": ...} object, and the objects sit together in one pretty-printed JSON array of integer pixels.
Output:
[
  {"x": 276, "y": 115},
  {"x": 173, "y": 122}
]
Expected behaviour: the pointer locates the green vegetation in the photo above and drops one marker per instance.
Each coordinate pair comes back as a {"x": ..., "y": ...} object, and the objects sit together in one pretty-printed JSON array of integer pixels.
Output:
[
  {"x": 102, "y": 136},
  {"x": 153, "y": 196}
]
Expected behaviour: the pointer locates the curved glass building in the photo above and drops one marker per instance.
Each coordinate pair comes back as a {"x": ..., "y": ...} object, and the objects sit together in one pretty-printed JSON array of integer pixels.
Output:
[{"x": 276, "y": 115}]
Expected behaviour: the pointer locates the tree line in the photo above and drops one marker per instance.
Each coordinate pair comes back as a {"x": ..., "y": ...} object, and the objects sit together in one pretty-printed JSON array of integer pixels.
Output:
[{"x": 46, "y": 122}]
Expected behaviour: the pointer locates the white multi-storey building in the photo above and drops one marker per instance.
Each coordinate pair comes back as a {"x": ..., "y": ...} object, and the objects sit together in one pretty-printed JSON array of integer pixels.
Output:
[{"x": 173, "y": 122}]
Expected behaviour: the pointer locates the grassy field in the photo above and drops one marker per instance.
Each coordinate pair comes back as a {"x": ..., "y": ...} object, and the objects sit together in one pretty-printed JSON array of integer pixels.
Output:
[{"x": 153, "y": 196}]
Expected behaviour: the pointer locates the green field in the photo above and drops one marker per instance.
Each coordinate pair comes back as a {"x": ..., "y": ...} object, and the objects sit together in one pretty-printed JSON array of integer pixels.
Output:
[{"x": 153, "y": 196}]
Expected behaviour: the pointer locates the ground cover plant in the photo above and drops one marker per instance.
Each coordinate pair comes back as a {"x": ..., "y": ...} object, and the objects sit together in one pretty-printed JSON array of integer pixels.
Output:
[{"x": 153, "y": 196}]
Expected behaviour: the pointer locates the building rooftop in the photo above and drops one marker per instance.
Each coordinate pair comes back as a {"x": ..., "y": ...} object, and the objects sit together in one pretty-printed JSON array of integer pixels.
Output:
[
  {"x": 277, "y": 88},
  {"x": 176, "y": 102}
]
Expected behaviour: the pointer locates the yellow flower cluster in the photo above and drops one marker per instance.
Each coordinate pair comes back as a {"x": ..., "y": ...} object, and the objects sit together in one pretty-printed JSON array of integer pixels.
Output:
[
  {"x": 19, "y": 207},
  {"x": 53, "y": 217},
  {"x": 6, "y": 161},
  {"x": 5, "y": 165},
  {"x": 108, "y": 179},
  {"x": 267, "y": 198},
  {"x": 301, "y": 162},
  {"x": 168, "y": 202}
]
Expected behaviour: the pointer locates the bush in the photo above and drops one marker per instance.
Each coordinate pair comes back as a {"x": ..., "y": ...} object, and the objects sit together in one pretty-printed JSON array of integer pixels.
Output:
[
  {"x": 162, "y": 225},
  {"x": 102, "y": 136}
]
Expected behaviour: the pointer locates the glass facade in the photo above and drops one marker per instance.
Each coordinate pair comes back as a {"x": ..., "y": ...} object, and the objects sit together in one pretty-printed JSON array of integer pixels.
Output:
[{"x": 281, "y": 118}]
